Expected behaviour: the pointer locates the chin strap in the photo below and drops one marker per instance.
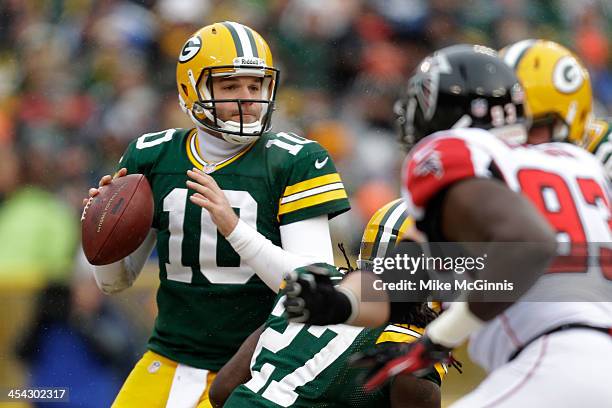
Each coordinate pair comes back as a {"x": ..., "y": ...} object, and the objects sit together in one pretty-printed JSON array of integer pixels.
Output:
[
  {"x": 239, "y": 139},
  {"x": 228, "y": 137}
]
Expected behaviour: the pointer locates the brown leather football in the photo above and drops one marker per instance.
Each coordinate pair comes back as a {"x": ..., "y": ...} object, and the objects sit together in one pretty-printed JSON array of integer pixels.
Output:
[{"x": 117, "y": 220}]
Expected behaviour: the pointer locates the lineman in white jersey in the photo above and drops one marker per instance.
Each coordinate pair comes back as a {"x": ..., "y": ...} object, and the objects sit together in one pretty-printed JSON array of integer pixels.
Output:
[
  {"x": 567, "y": 185},
  {"x": 538, "y": 353},
  {"x": 534, "y": 349}
]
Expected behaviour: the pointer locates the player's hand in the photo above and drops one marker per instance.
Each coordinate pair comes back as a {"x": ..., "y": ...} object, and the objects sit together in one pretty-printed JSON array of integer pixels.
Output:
[
  {"x": 312, "y": 298},
  {"x": 210, "y": 197},
  {"x": 104, "y": 181},
  {"x": 385, "y": 361}
]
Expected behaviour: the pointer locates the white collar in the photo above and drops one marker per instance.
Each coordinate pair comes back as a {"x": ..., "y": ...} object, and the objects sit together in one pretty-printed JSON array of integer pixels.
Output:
[{"x": 214, "y": 149}]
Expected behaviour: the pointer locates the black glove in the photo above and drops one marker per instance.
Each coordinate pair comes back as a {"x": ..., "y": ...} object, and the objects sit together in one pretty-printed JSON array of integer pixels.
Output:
[
  {"x": 387, "y": 360},
  {"x": 312, "y": 297}
]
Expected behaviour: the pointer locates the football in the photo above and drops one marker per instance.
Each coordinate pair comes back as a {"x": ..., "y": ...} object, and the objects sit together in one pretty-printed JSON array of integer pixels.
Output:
[{"x": 117, "y": 220}]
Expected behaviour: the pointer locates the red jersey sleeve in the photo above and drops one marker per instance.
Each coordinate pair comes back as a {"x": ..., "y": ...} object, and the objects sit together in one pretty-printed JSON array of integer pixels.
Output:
[{"x": 433, "y": 165}]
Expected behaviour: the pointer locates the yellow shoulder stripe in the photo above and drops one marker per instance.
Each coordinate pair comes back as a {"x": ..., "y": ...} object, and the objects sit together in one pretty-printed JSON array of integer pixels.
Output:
[
  {"x": 394, "y": 337},
  {"x": 311, "y": 201},
  {"x": 312, "y": 183},
  {"x": 400, "y": 333},
  {"x": 412, "y": 327}
]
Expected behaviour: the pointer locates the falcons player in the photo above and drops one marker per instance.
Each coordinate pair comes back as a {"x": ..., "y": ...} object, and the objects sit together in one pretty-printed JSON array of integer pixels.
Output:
[{"x": 461, "y": 185}]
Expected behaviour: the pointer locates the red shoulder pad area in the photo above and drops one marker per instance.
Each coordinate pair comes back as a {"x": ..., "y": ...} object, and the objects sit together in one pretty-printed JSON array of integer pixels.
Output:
[{"x": 434, "y": 165}]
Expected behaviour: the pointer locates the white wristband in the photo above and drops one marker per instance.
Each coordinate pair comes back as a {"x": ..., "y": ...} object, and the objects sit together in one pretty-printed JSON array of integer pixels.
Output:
[{"x": 453, "y": 326}]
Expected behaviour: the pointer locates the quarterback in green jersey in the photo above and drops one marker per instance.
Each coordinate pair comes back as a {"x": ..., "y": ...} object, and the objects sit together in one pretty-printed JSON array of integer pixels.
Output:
[
  {"x": 295, "y": 365},
  {"x": 236, "y": 206}
]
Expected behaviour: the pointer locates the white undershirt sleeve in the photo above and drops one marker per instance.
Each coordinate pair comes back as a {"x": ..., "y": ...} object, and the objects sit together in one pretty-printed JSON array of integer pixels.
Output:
[
  {"x": 121, "y": 275},
  {"x": 304, "y": 242}
]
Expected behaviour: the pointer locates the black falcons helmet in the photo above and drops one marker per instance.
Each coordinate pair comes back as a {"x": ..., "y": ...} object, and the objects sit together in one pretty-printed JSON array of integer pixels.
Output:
[{"x": 462, "y": 86}]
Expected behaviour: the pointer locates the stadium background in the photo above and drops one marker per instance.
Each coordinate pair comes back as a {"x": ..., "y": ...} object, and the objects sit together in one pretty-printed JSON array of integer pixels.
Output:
[{"x": 80, "y": 78}]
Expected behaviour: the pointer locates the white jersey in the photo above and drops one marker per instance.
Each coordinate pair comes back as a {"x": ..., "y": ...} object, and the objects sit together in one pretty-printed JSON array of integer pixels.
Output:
[{"x": 569, "y": 187}]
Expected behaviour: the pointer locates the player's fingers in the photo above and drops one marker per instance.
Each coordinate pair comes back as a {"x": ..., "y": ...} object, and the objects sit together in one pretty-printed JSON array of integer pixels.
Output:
[
  {"x": 293, "y": 289},
  {"x": 121, "y": 173},
  {"x": 204, "y": 179},
  {"x": 295, "y": 305},
  {"x": 200, "y": 200},
  {"x": 211, "y": 182},
  {"x": 105, "y": 180},
  {"x": 199, "y": 179},
  {"x": 200, "y": 197},
  {"x": 198, "y": 176},
  {"x": 93, "y": 192},
  {"x": 290, "y": 276},
  {"x": 301, "y": 318},
  {"x": 203, "y": 174},
  {"x": 295, "y": 309},
  {"x": 309, "y": 279},
  {"x": 203, "y": 190},
  {"x": 317, "y": 270},
  {"x": 195, "y": 186},
  {"x": 208, "y": 205}
]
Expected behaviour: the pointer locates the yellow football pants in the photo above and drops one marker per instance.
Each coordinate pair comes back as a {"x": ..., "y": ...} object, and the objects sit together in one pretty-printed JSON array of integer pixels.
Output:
[{"x": 158, "y": 382}]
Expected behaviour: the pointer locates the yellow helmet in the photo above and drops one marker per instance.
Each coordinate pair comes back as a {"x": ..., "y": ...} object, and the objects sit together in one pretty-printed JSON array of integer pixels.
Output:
[
  {"x": 556, "y": 84},
  {"x": 225, "y": 49},
  {"x": 385, "y": 229}
]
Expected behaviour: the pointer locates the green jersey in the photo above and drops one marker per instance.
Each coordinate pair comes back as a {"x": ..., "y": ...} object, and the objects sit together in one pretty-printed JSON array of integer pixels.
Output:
[
  {"x": 599, "y": 142},
  {"x": 208, "y": 300},
  {"x": 297, "y": 365}
]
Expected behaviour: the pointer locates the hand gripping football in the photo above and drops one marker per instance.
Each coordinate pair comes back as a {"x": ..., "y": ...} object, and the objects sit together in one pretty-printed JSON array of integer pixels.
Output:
[{"x": 117, "y": 220}]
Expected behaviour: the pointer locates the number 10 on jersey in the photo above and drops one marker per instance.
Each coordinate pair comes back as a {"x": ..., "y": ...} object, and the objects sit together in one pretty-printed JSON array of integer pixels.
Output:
[{"x": 175, "y": 203}]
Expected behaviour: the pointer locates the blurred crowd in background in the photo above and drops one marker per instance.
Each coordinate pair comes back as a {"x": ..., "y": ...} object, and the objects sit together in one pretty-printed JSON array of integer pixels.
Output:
[{"x": 80, "y": 79}]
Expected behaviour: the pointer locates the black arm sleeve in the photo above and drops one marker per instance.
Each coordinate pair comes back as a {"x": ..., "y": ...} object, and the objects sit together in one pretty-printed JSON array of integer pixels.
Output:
[
  {"x": 411, "y": 309},
  {"x": 431, "y": 224},
  {"x": 406, "y": 304}
]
